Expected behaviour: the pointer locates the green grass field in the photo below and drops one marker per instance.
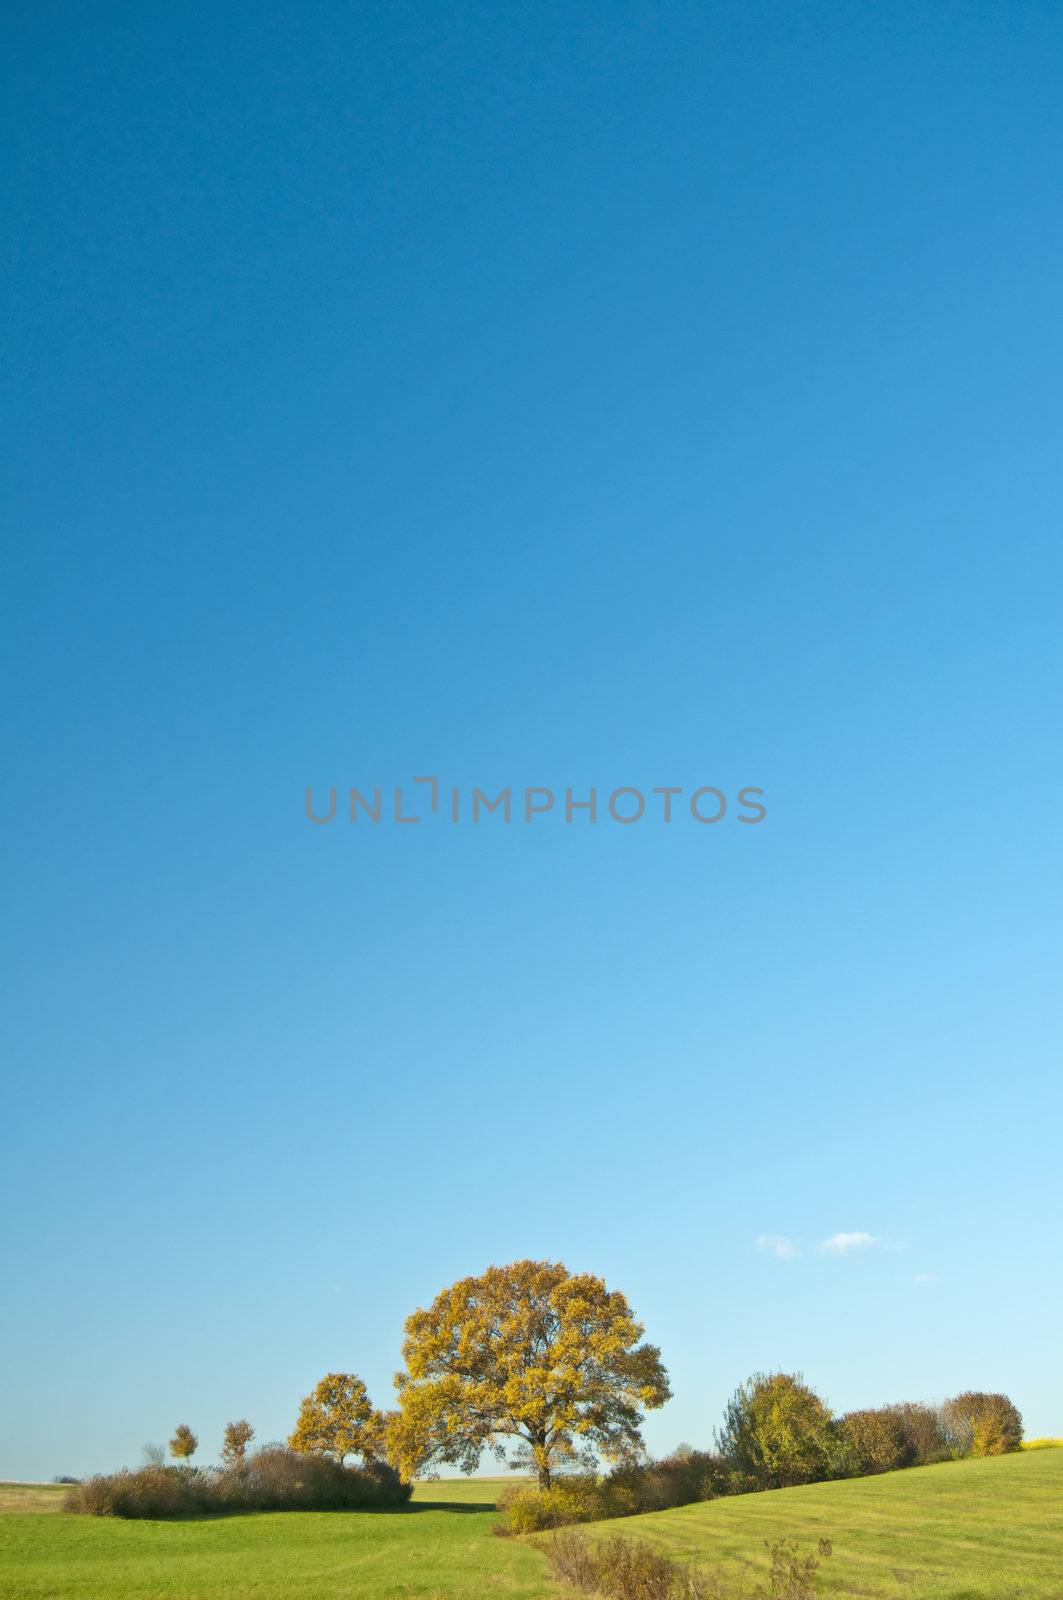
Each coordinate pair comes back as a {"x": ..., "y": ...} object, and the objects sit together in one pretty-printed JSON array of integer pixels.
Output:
[
  {"x": 442, "y": 1548},
  {"x": 965, "y": 1530},
  {"x": 968, "y": 1530}
]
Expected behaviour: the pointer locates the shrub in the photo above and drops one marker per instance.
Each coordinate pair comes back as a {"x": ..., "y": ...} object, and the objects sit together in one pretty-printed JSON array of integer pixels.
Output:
[
  {"x": 875, "y": 1441},
  {"x": 777, "y": 1432},
  {"x": 624, "y": 1569},
  {"x": 993, "y": 1421},
  {"x": 575, "y": 1497},
  {"x": 150, "y": 1492},
  {"x": 676, "y": 1480},
  {"x": 273, "y": 1479},
  {"x": 792, "y": 1576},
  {"x": 630, "y": 1488},
  {"x": 280, "y": 1479},
  {"x": 957, "y": 1432},
  {"x": 923, "y": 1434}
]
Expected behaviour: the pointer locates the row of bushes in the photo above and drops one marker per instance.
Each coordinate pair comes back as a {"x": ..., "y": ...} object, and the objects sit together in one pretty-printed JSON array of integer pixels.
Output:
[
  {"x": 273, "y": 1479},
  {"x": 631, "y": 1488},
  {"x": 971, "y": 1424},
  {"x": 777, "y": 1432}
]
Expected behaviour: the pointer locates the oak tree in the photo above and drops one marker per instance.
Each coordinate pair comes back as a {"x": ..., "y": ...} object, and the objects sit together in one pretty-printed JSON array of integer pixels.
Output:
[
  {"x": 338, "y": 1420},
  {"x": 529, "y": 1357}
]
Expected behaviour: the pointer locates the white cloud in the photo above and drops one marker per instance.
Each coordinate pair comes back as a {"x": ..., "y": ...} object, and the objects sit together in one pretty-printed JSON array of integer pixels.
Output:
[
  {"x": 778, "y": 1245},
  {"x": 925, "y": 1277},
  {"x": 852, "y": 1244}
]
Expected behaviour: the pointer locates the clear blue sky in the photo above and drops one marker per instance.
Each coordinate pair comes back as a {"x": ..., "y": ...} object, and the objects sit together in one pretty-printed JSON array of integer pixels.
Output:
[{"x": 566, "y": 395}]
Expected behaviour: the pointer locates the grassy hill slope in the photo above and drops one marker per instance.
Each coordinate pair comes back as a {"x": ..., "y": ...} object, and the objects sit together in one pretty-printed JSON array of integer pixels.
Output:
[{"x": 965, "y": 1530}]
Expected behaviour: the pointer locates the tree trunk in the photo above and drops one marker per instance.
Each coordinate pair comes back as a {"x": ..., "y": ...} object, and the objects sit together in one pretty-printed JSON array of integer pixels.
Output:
[{"x": 544, "y": 1477}]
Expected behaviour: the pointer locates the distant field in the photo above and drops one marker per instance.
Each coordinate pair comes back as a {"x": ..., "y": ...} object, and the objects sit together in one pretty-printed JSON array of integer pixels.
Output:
[
  {"x": 968, "y": 1530},
  {"x": 32, "y": 1496}
]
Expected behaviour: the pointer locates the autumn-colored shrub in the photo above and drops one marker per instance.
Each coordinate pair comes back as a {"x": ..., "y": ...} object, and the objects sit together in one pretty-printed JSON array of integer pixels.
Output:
[
  {"x": 777, "y": 1432},
  {"x": 675, "y": 1480},
  {"x": 149, "y": 1492},
  {"x": 875, "y": 1441},
  {"x": 993, "y": 1421},
  {"x": 631, "y": 1488},
  {"x": 923, "y": 1434},
  {"x": 624, "y": 1569},
  {"x": 573, "y": 1497},
  {"x": 273, "y": 1479}
]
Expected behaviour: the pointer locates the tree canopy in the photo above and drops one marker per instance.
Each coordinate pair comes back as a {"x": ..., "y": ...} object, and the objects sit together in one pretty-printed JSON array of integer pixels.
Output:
[
  {"x": 778, "y": 1432},
  {"x": 528, "y": 1357},
  {"x": 338, "y": 1420},
  {"x": 184, "y": 1442},
  {"x": 238, "y": 1436}
]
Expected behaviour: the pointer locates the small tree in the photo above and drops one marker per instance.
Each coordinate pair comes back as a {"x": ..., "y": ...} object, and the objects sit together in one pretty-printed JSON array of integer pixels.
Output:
[
  {"x": 238, "y": 1436},
  {"x": 184, "y": 1442},
  {"x": 338, "y": 1420},
  {"x": 530, "y": 1355},
  {"x": 777, "y": 1432}
]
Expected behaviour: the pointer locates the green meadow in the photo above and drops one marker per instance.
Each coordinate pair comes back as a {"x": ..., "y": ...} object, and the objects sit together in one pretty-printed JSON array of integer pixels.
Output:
[
  {"x": 962, "y": 1530},
  {"x": 966, "y": 1530}
]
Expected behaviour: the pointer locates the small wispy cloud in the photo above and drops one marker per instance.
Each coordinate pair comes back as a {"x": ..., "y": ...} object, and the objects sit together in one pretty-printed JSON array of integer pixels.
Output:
[
  {"x": 777, "y": 1244},
  {"x": 854, "y": 1244},
  {"x": 925, "y": 1277}
]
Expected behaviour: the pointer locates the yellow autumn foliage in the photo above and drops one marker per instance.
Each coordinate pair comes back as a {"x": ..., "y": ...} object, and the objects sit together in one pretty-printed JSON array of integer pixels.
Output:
[
  {"x": 338, "y": 1420},
  {"x": 528, "y": 1356}
]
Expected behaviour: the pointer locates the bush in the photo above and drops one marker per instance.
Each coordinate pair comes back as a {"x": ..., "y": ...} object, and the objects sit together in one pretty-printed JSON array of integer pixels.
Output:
[
  {"x": 922, "y": 1431},
  {"x": 874, "y": 1441},
  {"x": 633, "y": 1487},
  {"x": 150, "y": 1492},
  {"x": 677, "y": 1480},
  {"x": 273, "y": 1479},
  {"x": 625, "y": 1570},
  {"x": 777, "y": 1432},
  {"x": 992, "y": 1422},
  {"x": 576, "y": 1497}
]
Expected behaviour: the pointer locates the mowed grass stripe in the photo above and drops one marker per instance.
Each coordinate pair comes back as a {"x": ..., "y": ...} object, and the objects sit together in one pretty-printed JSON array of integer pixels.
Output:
[{"x": 965, "y": 1530}]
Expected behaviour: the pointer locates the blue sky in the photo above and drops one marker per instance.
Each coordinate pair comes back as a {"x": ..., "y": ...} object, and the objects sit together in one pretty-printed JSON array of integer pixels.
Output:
[{"x": 566, "y": 396}]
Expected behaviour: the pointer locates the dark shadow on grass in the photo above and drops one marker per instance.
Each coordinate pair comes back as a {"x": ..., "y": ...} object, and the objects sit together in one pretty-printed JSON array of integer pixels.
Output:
[
  {"x": 479, "y": 1506},
  {"x": 451, "y": 1505}
]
